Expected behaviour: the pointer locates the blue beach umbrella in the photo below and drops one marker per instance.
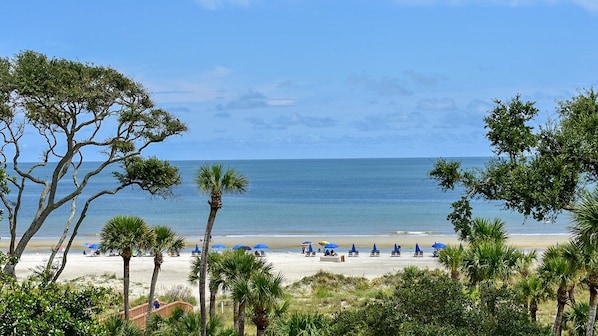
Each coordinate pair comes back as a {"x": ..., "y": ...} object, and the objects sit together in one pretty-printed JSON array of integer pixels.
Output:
[
  {"x": 261, "y": 246},
  {"x": 218, "y": 246},
  {"x": 396, "y": 249},
  {"x": 374, "y": 248},
  {"x": 196, "y": 249},
  {"x": 417, "y": 249},
  {"x": 307, "y": 242},
  {"x": 438, "y": 245},
  {"x": 94, "y": 246},
  {"x": 353, "y": 248},
  {"x": 331, "y": 245},
  {"x": 310, "y": 249},
  {"x": 243, "y": 247}
]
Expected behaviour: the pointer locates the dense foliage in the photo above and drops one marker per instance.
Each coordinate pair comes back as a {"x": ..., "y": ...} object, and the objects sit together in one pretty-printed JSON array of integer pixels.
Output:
[
  {"x": 537, "y": 170},
  {"x": 34, "y": 309},
  {"x": 431, "y": 303}
]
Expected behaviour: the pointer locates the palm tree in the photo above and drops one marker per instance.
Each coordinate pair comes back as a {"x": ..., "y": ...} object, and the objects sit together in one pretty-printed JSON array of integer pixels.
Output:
[
  {"x": 236, "y": 268},
  {"x": 265, "y": 290},
  {"x": 123, "y": 234},
  {"x": 216, "y": 280},
  {"x": 556, "y": 270},
  {"x": 525, "y": 263},
  {"x": 585, "y": 233},
  {"x": 451, "y": 257},
  {"x": 214, "y": 180},
  {"x": 484, "y": 230},
  {"x": 575, "y": 319},
  {"x": 490, "y": 260},
  {"x": 533, "y": 290},
  {"x": 164, "y": 239}
]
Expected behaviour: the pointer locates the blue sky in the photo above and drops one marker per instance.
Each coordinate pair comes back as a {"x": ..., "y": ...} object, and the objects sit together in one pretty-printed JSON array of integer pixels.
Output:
[{"x": 273, "y": 79}]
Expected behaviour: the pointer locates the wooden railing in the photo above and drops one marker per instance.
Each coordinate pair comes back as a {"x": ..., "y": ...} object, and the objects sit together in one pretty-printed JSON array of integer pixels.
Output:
[{"x": 138, "y": 314}]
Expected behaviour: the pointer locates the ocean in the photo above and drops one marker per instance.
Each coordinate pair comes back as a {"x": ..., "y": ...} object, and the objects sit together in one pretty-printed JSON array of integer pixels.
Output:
[{"x": 303, "y": 197}]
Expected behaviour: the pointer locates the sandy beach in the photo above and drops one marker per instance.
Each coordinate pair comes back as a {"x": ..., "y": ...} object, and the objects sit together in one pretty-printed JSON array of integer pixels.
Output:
[{"x": 284, "y": 253}]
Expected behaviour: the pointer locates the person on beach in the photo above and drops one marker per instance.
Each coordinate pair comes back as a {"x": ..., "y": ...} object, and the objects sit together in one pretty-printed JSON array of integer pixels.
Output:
[{"x": 156, "y": 304}]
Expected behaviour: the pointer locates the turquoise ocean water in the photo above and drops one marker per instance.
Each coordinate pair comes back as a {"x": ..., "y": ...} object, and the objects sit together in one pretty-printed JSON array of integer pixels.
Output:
[{"x": 308, "y": 197}]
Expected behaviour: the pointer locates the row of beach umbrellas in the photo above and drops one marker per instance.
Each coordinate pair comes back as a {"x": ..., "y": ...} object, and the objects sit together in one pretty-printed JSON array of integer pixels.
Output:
[
  {"x": 328, "y": 244},
  {"x": 236, "y": 247}
]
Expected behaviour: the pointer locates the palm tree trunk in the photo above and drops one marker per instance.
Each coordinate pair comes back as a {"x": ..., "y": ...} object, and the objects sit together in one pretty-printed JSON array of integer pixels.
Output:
[
  {"x": 214, "y": 206},
  {"x": 126, "y": 261},
  {"x": 242, "y": 318},
  {"x": 558, "y": 320},
  {"x": 212, "y": 304},
  {"x": 150, "y": 300},
  {"x": 572, "y": 294},
  {"x": 236, "y": 315},
  {"x": 533, "y": 309},
  {"x": 261, "y": 321},
  {"x": 592, "y": 310}
]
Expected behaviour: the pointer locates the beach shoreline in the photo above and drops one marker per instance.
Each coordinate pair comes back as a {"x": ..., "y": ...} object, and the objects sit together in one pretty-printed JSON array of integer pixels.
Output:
[
  {"x": 293, "y": 243},
  {"x": 284, "y": 253}
]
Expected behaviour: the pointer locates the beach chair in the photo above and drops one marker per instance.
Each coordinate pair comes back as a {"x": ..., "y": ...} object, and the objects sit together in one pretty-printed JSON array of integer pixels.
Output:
[
  {"x": 356, "y": 253},
  {"x": 350, "y": 253},
  {"x": 262, "y": 253}
]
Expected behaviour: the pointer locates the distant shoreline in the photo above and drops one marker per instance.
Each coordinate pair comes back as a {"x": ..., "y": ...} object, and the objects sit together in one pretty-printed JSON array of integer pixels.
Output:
[{"x": 294, "y": 242}]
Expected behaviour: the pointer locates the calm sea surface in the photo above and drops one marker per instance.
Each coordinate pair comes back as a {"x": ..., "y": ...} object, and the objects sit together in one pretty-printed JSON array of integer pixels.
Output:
[{"x": 316, "y": 197}]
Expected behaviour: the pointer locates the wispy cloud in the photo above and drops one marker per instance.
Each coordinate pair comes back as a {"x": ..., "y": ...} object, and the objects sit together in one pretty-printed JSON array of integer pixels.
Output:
[
  {"x": 437, "y": 104},
  {"x": 249, "y": 100},
  {"x": 386, "y": 86},
  {"x": 253, "y": 99},
  {"x": 382, "y": 122},
  {"x": 219, "y": 4},
  {"x": 591, "y": 5},
  {"x": 298, "y": 119}
]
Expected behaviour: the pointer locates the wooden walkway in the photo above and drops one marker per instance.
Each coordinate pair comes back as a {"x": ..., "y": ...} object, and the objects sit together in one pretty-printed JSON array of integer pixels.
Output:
[{"x": 138, "y": 314}]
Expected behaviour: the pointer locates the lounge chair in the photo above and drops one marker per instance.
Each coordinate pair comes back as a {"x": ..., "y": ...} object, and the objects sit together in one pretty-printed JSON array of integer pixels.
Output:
[
  {"x": 350, "y": 253},
  {"x": 262, "y": 253},
  {"x": 357, "y": 253}
]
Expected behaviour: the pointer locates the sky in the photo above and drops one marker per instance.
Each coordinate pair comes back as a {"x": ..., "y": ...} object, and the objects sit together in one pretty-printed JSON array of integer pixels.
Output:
[{"x": 286, "y": 79}]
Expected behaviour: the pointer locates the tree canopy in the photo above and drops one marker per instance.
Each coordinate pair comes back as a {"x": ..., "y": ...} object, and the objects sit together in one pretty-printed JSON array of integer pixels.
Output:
[
  {"x": 79, "y": 112},
  {"x": 537, "y": 169}
]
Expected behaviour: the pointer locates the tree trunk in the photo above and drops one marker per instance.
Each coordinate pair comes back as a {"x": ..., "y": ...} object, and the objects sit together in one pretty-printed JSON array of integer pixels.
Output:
[
  {"x": 126, "y": 260},
  {"x": 261, "y": 321},
  {"x": 212, "y": 304},
  {"x": 236, "y": 315},
  {"x": 150, "y": 301},
  {"x": 215, "y": 204},
  {"x": 592, "y": 309},
  {"x": 533, "y": 309},
  {"x": 558, "y": 320},
  {"x": 572, "y": 294},
  {"x": 242, "y": 318}
]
